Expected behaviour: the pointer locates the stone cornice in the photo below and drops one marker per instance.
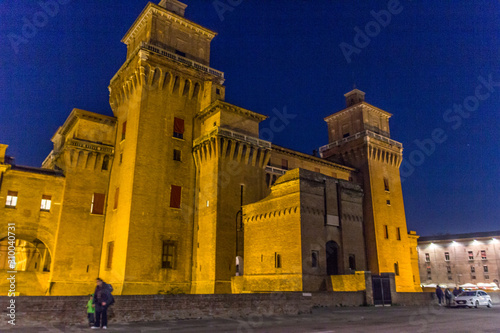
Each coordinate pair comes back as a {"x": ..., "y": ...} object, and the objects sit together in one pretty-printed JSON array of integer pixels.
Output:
[
  {"x": 82, "y": 114},
  {"x": 355, "y": 107},
  {"x": 226, "y": 133},
  {"x": 151, "y": 9},
  {"x": 91, "y": 146},
  {"x": 220, "y": 105},
  {"x": 311, "y": 158}
]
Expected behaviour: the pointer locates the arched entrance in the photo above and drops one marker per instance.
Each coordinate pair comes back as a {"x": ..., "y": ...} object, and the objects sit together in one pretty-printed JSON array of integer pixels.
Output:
[
  {"x": 32, "y": 264},
  {"x": 239, "y": 266},
  {"x": 29, "y": 256},
  {"x": 332, "y": 262}
]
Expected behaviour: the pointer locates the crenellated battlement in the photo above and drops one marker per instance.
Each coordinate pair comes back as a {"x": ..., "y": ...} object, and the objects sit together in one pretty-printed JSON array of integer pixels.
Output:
[{"x": 232, "y": 146}]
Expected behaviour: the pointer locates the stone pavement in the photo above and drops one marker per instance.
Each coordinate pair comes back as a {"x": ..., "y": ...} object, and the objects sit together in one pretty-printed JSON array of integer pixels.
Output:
[{"x": 323, "y": 320}]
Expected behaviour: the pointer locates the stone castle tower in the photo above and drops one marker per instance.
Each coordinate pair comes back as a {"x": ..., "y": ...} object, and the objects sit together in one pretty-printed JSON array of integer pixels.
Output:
[
  {"x": 179, "y": 174},
  {"x": 177, "y": 194},
  {"x": 359, "y": 136}
]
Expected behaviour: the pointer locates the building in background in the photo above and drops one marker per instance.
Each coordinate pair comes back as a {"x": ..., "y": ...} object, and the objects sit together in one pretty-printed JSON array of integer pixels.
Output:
[
  {"x": 450, "y": 260},
  {"x": 177, "y": 194}
]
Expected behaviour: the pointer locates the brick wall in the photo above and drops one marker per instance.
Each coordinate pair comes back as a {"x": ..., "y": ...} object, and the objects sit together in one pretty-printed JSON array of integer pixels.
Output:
[{"x": 71, "y": 310}]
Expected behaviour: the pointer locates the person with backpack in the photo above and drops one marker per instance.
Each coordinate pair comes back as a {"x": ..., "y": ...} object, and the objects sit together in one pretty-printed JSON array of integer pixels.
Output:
[
  {"x": 102, "y": 300},
  {"x": 448, "y": 296}
]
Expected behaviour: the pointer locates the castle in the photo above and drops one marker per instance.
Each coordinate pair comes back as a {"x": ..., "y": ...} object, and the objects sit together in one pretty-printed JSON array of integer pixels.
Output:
[{"x": 177, "y": 194}]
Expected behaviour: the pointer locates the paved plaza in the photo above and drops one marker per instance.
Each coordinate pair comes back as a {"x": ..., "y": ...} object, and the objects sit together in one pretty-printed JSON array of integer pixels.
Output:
[{"x": 322, "y": 320}]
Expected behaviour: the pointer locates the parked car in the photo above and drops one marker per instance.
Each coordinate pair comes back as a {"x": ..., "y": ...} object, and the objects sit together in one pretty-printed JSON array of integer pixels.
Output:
[{"x": 473, "y": 299}]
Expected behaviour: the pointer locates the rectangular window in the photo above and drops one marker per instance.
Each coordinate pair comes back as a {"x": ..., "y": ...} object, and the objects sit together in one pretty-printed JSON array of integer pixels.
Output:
[
  {"x": 284, "y": 164},
  {"x": 472, "y": 269},
  {"x": 105, "y": 163},
  {"x": 97, "y": 206},
  {"x": 386, "y": 184},
  {"x": 117, "y": 194},
  {"x": 388, "y": 202},
  {"x": 448, "y": 269},
  {"x": 277, "y": 260},
  {"x": 124, "y": 130},
  {"x": 485, "y": 268},
  {"x": 427, "y": 257},
  {"x": 483, "y": 254},
  {"x": 314, "y": 258},
  {"x": 398, "y": 230},
  {"x": 177, "y": 155},
  {"x": 11, "y": 201},
  {"x": 168, "y": 252},
  {"x": 471, "y": 255},
  {"x": 447, "y": 256},
  {"x": 386, "y": 232},
  {"x": 178, "y": 128},
  {"x": 46, "y": 203},
  {"x": 396, "y": 268},
  {"x": 109, "y": 261},
  {"x": 175, "y": 196}
]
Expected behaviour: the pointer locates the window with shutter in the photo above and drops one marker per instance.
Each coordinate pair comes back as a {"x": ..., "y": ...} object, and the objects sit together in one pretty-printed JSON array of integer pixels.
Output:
[
  {"x": 97, "y": 206},
  {"x": 178, "y": 128},
  {"x": 117, "y": 194},
  {"x": 175, "y": 196}
]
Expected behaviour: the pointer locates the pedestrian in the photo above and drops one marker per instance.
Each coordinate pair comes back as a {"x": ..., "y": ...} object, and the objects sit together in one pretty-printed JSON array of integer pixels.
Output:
[
  {"x": 439, "y": 294},
  {"x": 456, "y": 292},
  {"x": 91, "y": 310},
  {"x": 448, "y": 296},
  {"x": 101, "y": 301},
  {"x": 460, "y": 290}
]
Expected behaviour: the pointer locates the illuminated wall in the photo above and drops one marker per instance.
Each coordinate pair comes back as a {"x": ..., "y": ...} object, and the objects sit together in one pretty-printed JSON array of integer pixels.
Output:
[{"x": 460, "y": 259}]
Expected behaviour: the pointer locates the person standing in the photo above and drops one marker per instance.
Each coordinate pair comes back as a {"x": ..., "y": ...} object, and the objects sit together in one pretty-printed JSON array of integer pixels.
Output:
[
  {"x": 456, "y": 292},
  {"x": 102, "y": 300},
  {"x": 448, "y": 296},
  {"x": 439, "y": 294},
  {"x": 91, "y": 310}
]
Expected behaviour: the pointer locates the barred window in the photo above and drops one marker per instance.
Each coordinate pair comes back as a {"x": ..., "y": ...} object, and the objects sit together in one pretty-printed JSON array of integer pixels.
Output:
[
  {"x": 168, "y": 252},
  {"x": 11, "y": 201},
  {"x": 46, "y": 203}
]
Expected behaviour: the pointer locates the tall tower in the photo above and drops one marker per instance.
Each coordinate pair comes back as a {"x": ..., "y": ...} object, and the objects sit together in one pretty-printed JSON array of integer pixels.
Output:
[
  {"x": 165, "y": 81},
  {"x": 231, "y": 161},
  {"x": 359, "y": 136}
]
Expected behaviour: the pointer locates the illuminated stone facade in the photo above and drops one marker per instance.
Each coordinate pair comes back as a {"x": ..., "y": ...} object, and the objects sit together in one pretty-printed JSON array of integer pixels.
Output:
[
  {"x": 177, "y": 194},
  {"x": 460, "y": 259}
]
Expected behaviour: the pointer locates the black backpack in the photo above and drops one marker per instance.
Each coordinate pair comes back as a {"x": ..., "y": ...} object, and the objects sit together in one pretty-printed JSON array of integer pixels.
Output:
[{"x": 109, "y": 289}]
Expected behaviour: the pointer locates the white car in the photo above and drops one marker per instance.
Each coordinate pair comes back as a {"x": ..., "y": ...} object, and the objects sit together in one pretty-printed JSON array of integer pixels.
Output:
[{"x": 473, "y": 299}]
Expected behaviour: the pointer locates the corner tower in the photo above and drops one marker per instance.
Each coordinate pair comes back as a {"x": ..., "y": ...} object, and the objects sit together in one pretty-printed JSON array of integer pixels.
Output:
[
  {"x": 165, "y": 81},
  {"x": 359, "y": 136}
]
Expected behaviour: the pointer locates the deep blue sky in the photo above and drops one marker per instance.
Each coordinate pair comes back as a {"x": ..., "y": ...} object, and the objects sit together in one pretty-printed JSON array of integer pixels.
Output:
[{"x": 278, "y": 54}]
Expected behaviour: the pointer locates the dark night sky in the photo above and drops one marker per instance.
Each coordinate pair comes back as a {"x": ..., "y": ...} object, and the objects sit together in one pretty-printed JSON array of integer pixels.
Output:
[{"x": 286, "y": 54}]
